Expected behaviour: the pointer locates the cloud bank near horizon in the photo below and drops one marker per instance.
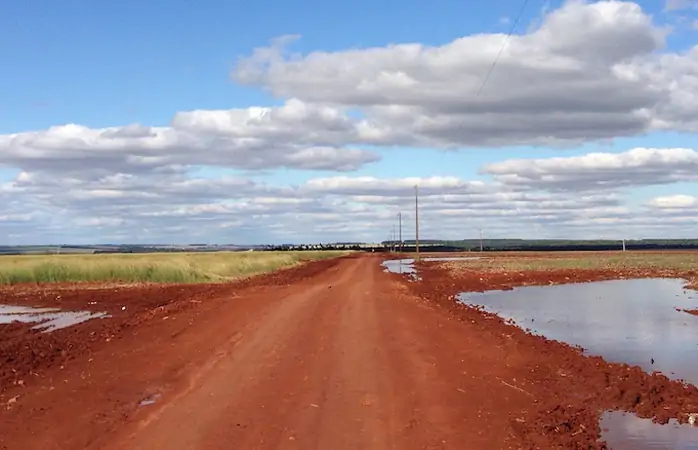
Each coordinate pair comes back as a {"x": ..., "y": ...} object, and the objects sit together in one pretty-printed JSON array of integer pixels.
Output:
[{"x": 577, "y": 196}]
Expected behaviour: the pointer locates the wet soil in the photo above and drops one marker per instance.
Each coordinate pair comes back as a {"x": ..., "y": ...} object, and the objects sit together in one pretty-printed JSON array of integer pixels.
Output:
[
  {"x": 331, "y": 354},
  {"x": 26, "y": 353},
  {"x": 571, "y": 390},
  {"x": 625, "y": 321}
]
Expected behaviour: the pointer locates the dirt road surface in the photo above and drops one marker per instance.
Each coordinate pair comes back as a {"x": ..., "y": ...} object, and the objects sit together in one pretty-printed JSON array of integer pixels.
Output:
[{"x": 334, "y": 355}]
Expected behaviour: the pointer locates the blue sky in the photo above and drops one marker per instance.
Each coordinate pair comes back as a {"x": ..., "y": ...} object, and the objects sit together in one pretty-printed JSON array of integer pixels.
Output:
[{"x": 100, "y": 64}]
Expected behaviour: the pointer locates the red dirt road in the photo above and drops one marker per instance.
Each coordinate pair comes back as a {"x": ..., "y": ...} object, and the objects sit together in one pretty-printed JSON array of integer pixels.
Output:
[
  {"x": 331, "y": 355},
  {"x": 341, "y": 364}
]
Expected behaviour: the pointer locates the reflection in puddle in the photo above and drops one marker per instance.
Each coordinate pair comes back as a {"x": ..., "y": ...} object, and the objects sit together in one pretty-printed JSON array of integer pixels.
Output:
[
  {"x": 406, "y": 266},
  {"x": 11, "y": 309},
  {"x": 49, "y": 319},
  {"x": 623, "y": 431},
  {"x": 401, "y": 266},
  {"x": 150, "y": 400},
  {"x": 629, "y": 321}
]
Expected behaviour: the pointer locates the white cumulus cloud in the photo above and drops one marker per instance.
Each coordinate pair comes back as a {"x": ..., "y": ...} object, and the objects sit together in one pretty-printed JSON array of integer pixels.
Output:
[
  {"x": 678, "y": 201},
  {"x": 636, "y": 167},
  {"x": 295, "y": 135},
  {"x": 587, "y": 72}
]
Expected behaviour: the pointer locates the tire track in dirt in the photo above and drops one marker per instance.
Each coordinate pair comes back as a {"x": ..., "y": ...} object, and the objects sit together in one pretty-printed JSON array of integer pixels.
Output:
[
  {"x": 99, "y": 390},
  {"x": 243, "y": 397},
  {"x": 449, "y": 379}
]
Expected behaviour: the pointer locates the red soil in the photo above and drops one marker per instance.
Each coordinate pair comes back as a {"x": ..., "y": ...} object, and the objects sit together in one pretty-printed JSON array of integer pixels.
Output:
[
  {"x": 332, "y": 354},
  {"x": 578, "y": 387}
]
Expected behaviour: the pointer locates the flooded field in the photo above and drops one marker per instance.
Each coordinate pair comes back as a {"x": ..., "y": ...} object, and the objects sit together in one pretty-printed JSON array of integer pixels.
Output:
[
  {"x": 627, "y": 321},
  {"x": 629, "y": 313},
  {"x": 637, "y": 322}
]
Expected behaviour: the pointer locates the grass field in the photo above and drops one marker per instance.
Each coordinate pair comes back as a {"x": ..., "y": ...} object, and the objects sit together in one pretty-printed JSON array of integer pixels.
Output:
[
  {"x": 586, "y": 260},
  {"x": 148, "y": 267}
]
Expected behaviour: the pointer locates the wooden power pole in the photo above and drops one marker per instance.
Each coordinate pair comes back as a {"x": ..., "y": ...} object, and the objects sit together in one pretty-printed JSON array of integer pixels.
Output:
[
  {"x": 416, "y": 221},
  {"x": 399, "y": 221}
]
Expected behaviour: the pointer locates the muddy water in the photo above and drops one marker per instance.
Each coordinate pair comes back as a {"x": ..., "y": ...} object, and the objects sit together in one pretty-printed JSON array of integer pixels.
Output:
[
  {"x": 623, "y": 431},
  {"x": 402, "y": 266},
  {"x": 406, "y": 266},
  {"x": 46, "y": 319},
  {"x": 629, "y": 321}
]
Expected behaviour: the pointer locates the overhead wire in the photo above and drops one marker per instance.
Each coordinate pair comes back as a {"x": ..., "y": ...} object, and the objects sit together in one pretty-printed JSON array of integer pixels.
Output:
[
  {"x": 514, "y": 24},
  {"x": 501, "y": 49},
  {"x": 517, "y": 18}
]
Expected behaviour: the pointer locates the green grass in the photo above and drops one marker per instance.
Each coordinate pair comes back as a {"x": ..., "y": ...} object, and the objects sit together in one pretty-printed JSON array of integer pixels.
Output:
[
  {"x": 617, "y": 260},
  {"x": 148, "y": 267}
]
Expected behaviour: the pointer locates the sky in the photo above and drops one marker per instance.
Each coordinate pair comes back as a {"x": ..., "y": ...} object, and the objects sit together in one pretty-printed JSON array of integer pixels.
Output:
[{"x": 258, "y": 122}]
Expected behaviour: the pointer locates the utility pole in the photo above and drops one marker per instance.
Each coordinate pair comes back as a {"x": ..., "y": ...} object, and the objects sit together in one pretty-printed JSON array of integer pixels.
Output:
[
  {"x": 392, "y": 238},
  {"x": 480, "y": 239},
  {"x": 399, "y": 221},
  {"x": 416, "y": 221}
]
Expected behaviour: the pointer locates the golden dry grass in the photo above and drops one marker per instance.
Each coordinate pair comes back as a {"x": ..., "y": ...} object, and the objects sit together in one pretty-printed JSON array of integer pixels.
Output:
[{"x": 149, "y": 267}]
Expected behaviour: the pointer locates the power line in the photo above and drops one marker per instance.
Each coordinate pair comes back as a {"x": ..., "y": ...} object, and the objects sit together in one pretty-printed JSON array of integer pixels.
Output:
[
  {"x": 504, "y": 44},
  {"x": 501, "y": 50},
  {"x": 482, "y": 87}
]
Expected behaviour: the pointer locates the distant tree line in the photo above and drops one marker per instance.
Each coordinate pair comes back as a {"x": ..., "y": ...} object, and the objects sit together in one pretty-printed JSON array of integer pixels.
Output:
[
  {"x": 558, "y": 244},
  {"x": 427, "y": 245},
  {"x": 315, "y": 247}
]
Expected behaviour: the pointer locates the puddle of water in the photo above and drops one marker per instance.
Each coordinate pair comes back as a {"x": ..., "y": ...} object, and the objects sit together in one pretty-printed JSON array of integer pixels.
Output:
[
  {"x": 629, "y": 321},
  {"x": 150, "y": 400},
  {"x": 406, "y": 265},
  {"x": 59, "y": 320},
  {"x": 623, "y": 431},
  {"x": 11, "y": 309},
  {"x": 47, "y": 319},
  {"x": 400, "y": 266}
]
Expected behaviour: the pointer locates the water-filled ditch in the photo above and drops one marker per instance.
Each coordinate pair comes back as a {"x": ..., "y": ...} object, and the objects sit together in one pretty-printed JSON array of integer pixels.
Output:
[{"x": 626, "y": 321}]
